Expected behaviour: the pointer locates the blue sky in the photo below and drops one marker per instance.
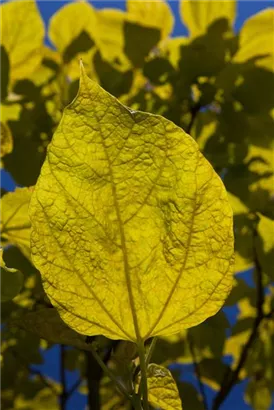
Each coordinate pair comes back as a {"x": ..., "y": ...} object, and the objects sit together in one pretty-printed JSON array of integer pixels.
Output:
[{"x": 51, "y": 366}]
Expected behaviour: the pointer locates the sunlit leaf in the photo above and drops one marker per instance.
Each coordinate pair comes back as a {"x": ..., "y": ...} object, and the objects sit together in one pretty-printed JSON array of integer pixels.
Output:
[
  {"x": 153, "y": 13},
  {"x": 162, "y": 389},
  {"x": 265, "y": 245},
  {"x": 259, "y": 395},
  {"x": 22, "y": 36},
  {"x": 11, "y": 280},
  {"x": 5, "y": 73},
  {"x": 72, "y": 23},
  {"x": 199, "y": 15},
  {"x": 15, "y": 223},
  {"x": 6, "y": 139},
  {"x": 111, "y": 47},
  {"x": 126, "y": 203},
  {"x": 256, "y": 40},
  {"x": 171, "y": 48}
]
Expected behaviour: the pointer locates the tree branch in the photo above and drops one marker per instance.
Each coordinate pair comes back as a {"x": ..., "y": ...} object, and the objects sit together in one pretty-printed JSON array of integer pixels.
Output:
[
  {"x": 197, "y": 370},
  {"x": 35, "y": 372},
  {"x": 64, "y": 394},
  {"x": 194, "y": 111},
  {"x": 233, "y": 378}
]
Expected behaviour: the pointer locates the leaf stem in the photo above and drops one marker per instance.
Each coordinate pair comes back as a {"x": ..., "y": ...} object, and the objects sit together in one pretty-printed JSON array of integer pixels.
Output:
[
  {"x": 150, "y": 350},
  {"x": 143, "y": 383},
  {"x": 110, "y": 374}
]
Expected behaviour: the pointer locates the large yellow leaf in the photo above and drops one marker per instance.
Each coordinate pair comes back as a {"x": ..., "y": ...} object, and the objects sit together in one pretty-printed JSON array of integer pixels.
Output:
[
  {"x": 198, "y": 15},
  {"x": 69, "y": 22},
  {"x": 22, "y": 36},
  {"x": 257, "y": 40},
  {"x": 15, "y": 223},
  {"x": 154, "y": 13},
  {"x": 162, "y": 390},
  {"x": 131, "y": 226}
]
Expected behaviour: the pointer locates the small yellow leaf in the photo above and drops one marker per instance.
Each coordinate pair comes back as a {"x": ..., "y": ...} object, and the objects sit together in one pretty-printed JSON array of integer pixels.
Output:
[
  {"x": 257, "y": 40},
  {"x": 15, "y": 222},
  {"x": 198, "y": 15},
  {"x": 153, "y": 13},
  {"x": 69, "y": 22},
  {"x": 22, "y": 36},
  {"x": 265, "y": 245},
  {"x": 162, "y": 389},
  {"x": 6, "y": 139},
  {"x": 111, "y": 47},
  {"x": 131, "y": 226}
]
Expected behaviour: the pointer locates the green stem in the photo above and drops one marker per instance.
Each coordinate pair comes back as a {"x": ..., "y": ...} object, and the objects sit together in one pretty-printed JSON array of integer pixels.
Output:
[
  {"x": 110, "y": 374},
  {"x": 150, "y": 350},
  {"x": 143, "y": 382}
]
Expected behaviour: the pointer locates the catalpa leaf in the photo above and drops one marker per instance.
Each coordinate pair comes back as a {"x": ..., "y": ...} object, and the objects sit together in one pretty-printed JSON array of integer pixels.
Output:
[
  {"x": 6, "y": 139},
  {"x": 22, "y": 36},
  {"x": 47, "y": 324},
  {"x": 162, "y": 389},
  {"x": 257, "y": 46},
  {"x": 198, "y": 15},
  {"x": 11, "y": 280},
  {"x": 152, "y": 13},
  {"x": 131, "y": 227},
  {"x": 69, "y": 22},
  {"x": 15, "y": 222}
]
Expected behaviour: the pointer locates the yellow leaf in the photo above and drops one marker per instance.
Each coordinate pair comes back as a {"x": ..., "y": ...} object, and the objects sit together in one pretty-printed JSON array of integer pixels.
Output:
[
  {"x": 171, "y": 48},
  {"x": 257, "y": 40},
  {"x": 15, "y": 223},
  {"x": 22, "y": 36},
  {"x": 265, "y": 245},
  {"x": 69, "y": 22},
  {"x": 11, "y": 280},
  {"x": 111, "y": 46},
  {"x": 153, "y": 13},
  {"x": 6, "y": 139},
  {"x": 162, "y": 389},
  {"x": 132, "y": 229},
  {"x": 198, "y": 15}
]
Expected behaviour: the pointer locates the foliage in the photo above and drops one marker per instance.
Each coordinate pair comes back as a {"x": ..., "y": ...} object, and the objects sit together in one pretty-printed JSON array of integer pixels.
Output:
[{"x": 131, "y": 225}]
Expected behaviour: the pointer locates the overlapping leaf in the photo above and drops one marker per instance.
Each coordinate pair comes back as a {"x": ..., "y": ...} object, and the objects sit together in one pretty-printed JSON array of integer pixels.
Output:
[
  {"x": 22, "y": 36},
  {"x": 15, "y": 223},
  {"x": 260, "y": 46},
  {"x": 199, "y": 15},
  {"x": 152, "y": 13},
  {"x": 162, "y": 389}
]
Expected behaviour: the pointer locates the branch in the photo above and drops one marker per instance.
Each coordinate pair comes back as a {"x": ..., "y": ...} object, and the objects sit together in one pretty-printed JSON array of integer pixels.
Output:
[
  {"x": 197, "y": 371},
  {"x": 228, "y": 384},
  {"x": 194, "y": 111},
  {"x": 35, "y": 372},
  {"x": 64, "y": 394}
]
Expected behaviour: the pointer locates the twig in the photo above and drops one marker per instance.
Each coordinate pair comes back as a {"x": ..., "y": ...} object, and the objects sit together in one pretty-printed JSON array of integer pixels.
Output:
[
  {"x": 64, "y": 394},
  {"x": 194, "y": 111},
  {"x": 93, "y": 374},
  {"x": 229, "y": 383},
  {"x": 35, "y": 372},
  {"x": 197, "y": 370}
]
